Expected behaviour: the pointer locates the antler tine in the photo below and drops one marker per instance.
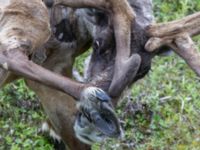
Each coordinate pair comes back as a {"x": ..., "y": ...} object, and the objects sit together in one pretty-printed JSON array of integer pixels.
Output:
[
  {"x": 126, "y": 66},
  {"x": 177, "y": 35},
  {"x": 186, "y": 49}
]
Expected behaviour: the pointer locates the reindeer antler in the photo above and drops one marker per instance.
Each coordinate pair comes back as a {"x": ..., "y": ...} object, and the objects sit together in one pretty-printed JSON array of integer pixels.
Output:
[
  {"x": 126, "y": 65},
  {"x": 177, "y": 35}
]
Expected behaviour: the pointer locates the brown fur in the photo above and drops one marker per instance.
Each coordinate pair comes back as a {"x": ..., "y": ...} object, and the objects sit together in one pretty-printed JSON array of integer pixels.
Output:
[
  {"x": 25, "y": 21},
  {"x": 23, "y": 24}
]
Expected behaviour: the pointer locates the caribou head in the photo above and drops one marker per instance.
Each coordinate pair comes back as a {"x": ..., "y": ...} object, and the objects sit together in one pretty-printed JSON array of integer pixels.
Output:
[
  {"x": 124, "y": 43},
  {"x": 114, "y": 63}
]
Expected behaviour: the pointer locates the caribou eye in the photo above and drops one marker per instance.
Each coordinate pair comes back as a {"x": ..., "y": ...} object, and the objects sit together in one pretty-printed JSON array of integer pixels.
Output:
[
  {"x": 100, "y": 46},
  {"x": 96, "y": 45}
]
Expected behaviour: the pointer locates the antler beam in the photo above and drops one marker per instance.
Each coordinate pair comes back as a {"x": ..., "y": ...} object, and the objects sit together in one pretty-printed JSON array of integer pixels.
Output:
[
  {"x": 189, "y": 24},
  {"x": 177, "y": 35}
]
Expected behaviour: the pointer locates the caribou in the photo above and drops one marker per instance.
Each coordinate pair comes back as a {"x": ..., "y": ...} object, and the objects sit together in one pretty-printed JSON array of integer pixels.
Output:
[{"x": 40, "y": 43}]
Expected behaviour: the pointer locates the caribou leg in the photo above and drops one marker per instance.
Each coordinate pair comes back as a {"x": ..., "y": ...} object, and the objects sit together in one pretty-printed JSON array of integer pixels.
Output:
[{"x": 16, "y": 61}]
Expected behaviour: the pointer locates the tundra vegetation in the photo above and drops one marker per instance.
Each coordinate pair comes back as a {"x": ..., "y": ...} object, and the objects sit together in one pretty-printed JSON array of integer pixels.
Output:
[{"x": 161, "y": 111}]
